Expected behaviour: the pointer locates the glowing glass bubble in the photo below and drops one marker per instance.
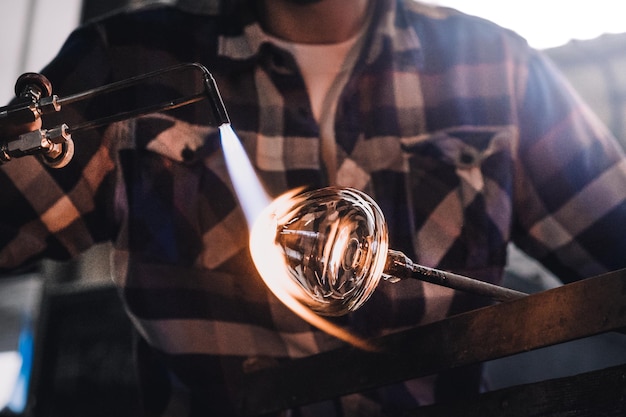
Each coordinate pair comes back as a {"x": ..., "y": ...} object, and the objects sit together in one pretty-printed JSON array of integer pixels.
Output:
[{"x": 334, "y": 244}]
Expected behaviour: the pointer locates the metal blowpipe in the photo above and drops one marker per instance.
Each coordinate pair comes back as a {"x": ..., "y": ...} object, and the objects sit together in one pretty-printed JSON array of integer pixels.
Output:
[{"x": 334, "y": 244}]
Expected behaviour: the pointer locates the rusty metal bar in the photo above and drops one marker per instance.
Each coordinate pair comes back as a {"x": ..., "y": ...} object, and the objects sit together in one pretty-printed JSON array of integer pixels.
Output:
[
  {"x": 591, "y": 394},
  {"x": 585, "y": 308}
]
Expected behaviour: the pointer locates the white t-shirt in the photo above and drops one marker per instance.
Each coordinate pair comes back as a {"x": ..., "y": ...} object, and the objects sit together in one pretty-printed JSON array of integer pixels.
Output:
[{"x": 321, "y": 65}]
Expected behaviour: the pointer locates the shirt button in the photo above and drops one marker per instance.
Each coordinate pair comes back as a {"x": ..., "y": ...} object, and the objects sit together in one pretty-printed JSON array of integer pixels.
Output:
[{"x": 466, "y": 158}]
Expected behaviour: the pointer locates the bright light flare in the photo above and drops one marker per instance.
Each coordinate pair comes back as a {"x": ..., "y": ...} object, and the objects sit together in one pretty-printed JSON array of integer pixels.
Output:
[{"x": 266, "y": 253}]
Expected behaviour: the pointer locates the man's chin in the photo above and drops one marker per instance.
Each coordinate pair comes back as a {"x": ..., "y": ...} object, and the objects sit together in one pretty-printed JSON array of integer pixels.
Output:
[{"x": 304, "y": 2}]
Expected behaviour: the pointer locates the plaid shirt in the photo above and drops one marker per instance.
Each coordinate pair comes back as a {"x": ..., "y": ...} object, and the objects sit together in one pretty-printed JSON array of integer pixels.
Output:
[
  {"x": 465, "y": 137},
  {"x": 594, "y": 68}
]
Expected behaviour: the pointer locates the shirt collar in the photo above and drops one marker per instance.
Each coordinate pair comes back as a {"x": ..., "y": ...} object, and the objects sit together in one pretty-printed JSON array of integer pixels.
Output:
[{"x": 388, "y": 25}]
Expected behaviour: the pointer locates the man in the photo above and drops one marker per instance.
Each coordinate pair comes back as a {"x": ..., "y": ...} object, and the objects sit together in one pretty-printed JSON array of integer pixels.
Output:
[{"x": 464, "y": 135}]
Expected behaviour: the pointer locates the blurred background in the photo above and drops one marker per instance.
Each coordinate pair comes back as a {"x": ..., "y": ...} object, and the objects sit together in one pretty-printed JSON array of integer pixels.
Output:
[{"x": 65, "y": 343}]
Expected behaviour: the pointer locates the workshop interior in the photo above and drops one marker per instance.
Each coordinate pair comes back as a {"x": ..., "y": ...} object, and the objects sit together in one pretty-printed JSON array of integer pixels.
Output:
[{"x": 66, "y": 344}]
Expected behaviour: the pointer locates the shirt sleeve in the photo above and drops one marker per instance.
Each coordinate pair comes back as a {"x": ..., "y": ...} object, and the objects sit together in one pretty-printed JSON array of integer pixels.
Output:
[
  {"x": 58, "y": 213},
  {"x": 570, "y": 196}
]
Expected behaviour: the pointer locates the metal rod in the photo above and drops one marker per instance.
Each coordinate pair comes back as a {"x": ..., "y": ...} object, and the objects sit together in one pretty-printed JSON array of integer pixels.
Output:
[
  {"x": 169, "y": 105},
  {"x": 209, "y": 91},
  {"x": 463, "y": 283},
  {"x": 399, "y": 266},
  {"x": 132, "y": 81}
]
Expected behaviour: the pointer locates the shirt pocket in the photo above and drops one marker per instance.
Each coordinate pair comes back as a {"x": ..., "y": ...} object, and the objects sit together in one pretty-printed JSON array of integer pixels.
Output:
[
  {"x": 175, "y": 195},
  {"x": 460, "y": 182}
]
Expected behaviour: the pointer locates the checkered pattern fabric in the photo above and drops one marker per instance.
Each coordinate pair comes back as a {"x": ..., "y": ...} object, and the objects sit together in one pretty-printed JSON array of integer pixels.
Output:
[
  {"x": 595, "y": 67},
  {"x": 465, "y": 137}
]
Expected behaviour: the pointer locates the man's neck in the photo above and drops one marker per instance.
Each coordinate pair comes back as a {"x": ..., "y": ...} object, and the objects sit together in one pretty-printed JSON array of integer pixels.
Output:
[{"x": 323, "y": 22}]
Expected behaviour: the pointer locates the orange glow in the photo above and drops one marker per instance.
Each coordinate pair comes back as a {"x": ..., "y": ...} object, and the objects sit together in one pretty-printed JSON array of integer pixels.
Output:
[
  {"x": 261, "y": 217},
  {"x": 269, "y": 261}
]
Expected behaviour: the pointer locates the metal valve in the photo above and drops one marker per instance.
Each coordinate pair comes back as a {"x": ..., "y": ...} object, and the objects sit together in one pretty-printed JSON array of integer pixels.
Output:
[
  {"x": 34, "y": 98},
  {"x": 55, "y": 146}
]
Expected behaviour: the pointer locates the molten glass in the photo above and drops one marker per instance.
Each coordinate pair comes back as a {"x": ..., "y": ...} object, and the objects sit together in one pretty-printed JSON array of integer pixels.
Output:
[{"x": 334, "y": 245}]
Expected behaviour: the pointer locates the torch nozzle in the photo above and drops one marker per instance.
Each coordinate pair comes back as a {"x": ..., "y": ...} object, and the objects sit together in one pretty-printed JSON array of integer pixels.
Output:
[{"x": 217, "y": 105}]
